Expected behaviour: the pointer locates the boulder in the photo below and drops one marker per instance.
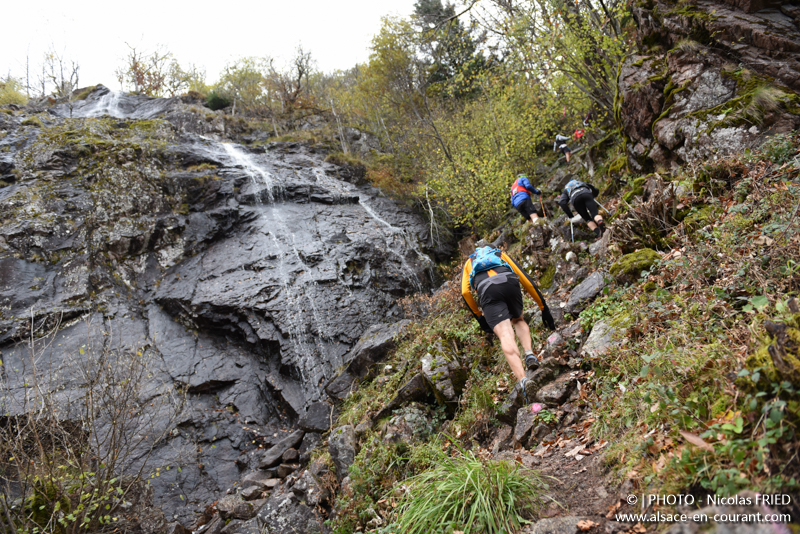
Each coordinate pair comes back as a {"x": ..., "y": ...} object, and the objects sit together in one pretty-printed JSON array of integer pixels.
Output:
[
  {"x": 284, "y": 470},
  {"x": 600, "y": 340},
  {"x": 285, "y": 514},
  {"x": 416, "y": 389},
  {"x": 273, "y": 455},
  {"x": 372, "y": 347},
  {"x": 585, "y": 292},
  {"x": 629, "y": 267},
  {"x": 557, "y": 391},
  {"x": 526, "y": 420},
  {"x": 290, "y": 455},
  {"x": 251, "y": 493},
  {"x": 445, "y": 378},
  {"x": 308, "y": 489},
  {"x": 234, "y": 507},
  {"x": 342, "y": 447},
  {"x": 317, "y": 418}
]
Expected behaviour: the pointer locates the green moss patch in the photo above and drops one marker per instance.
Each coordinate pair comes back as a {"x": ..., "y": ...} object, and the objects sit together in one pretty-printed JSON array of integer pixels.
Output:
[{"x": 628, "y": 267}]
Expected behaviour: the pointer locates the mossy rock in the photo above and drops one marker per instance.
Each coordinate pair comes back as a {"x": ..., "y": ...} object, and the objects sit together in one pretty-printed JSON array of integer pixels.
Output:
[
  {"x": 782, "y": 347},
  {"x": 628, "y": 267},
  {"x": 700, "y": 218},
  {"x": 33, "y": 121},
  {"x": 546, "y": 280}
]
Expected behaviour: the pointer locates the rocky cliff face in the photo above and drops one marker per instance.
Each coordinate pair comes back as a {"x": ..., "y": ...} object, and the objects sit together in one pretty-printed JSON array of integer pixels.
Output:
[
  {"x": 712, "y": 79},
  {"x": 242, "y": 275}
]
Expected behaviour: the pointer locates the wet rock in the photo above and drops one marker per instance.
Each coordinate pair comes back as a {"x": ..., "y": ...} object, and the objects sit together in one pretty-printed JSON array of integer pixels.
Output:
[
  {"x": 600, "y": 340},
  {"x": 342, "y": 447},
  {"x": 248, "y": 299},
  {"x": 446, "y": 379},
  {"x": 371, "y": 348},
  {"x": 317, "y": 418},
  {"x": 557, "y": 392},
  {"x": 585, "y": 292},
  {"x": 273, "y": 455}
]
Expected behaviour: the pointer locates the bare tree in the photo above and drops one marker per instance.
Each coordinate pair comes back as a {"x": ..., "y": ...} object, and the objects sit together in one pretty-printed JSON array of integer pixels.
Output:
[
  {"x": 145, "y": 72},
  {"x": 78, "y": 431}
]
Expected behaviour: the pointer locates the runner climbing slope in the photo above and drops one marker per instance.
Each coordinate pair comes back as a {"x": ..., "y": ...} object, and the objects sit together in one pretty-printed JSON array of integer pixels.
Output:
[
  {"x": 496, "y": 279},
  {"x": 521, "y": 191},
  {"x": 582, "y": 196}
]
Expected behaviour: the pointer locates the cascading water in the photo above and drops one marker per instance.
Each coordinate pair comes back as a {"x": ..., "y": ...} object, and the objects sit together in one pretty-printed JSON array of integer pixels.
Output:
[
  {"x": 305, "y": 326},
  {"x": 108, "y": 104},
  {"x": 342, "y": 189}
]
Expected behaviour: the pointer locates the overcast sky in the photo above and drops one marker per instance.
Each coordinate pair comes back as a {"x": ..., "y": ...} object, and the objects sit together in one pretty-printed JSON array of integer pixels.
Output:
[{"x": 337, "y": 33}]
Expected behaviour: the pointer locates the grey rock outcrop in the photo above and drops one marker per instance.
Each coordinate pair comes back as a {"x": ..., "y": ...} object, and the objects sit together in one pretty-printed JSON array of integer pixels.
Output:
[
  {"x": 600, "y": 340},
  {"x": 372, "y": 347},
  {"x": 317, "y": 418},
  {"x": 286, "y": 514},
  {"x": 244, "y": 276},
  {"x": 585, "y": 292},
  {"x": 446, "y": 379},
  {"x": 342, "y": 446},
  {"x": 273, "y": 456},
  {"x": 685, "y": 99}
]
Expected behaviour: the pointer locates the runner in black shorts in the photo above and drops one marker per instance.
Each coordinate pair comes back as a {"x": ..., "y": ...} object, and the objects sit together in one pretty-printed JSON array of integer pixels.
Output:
[
  {"x": 500, "y": 297},
  {"x": 582, "y": 196}
]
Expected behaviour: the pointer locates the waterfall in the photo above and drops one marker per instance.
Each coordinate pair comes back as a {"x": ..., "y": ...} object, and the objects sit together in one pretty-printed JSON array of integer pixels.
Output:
[{"x": 108, "y": 104}]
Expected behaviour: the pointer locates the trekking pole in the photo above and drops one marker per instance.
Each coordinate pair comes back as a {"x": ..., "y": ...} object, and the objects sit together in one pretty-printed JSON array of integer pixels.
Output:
[
  {"x": 571, "y": 231},
  {"x": 604, "y": 208},
  {"x": 544, "y": 213}
]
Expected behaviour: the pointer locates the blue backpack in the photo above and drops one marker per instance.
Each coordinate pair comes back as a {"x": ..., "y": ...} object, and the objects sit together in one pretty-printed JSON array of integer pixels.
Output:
[
  {"x": 573, "y": 186},
  {"x": 483, "y": 259}
]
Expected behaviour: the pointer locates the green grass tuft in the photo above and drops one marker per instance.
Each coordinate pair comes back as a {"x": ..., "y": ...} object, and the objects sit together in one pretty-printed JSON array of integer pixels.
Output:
[{"x": 470, "y": 495}]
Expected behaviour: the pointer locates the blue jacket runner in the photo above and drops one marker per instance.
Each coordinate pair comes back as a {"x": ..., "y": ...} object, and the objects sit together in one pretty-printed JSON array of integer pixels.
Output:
[{"x": 521, "y": 190}]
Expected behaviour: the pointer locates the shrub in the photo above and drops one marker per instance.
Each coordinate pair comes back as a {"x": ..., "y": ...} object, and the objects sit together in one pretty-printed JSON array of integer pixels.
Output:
[
  {"x": 11, "y": 93},
  {"x": 216, "y": 101},
  {"x": 70, "y": 457},
  {"x": 470, "y": 495}
]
